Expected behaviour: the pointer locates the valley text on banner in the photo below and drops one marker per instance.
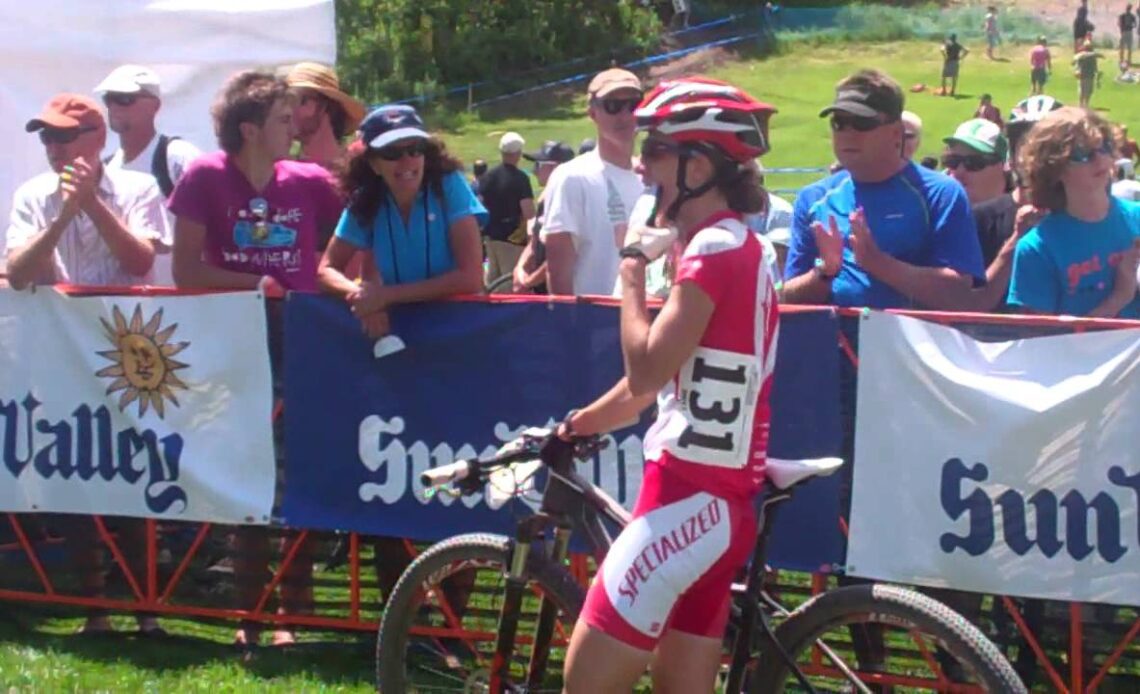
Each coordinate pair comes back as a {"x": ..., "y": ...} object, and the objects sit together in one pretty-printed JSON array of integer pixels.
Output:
[
  {"x": 1000, "y": 467},
  {"x": 134, "y": 406}
]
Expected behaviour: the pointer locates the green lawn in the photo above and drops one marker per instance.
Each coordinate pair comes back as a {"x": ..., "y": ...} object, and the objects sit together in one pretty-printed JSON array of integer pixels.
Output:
[
  {"x": 802, "y": 82},
  {"x": 38, "y": 652}
]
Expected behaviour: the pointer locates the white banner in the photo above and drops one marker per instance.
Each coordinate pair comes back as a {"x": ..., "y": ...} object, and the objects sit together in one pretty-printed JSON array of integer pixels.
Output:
[
  {"x": 1008, "y": 468},
  {"x": 53, "y": 46},
  {"x": 136, "y": 406}
]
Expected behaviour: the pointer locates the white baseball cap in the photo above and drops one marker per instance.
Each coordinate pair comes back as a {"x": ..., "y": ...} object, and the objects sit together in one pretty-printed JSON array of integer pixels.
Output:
[
  {"x": 130, "y": 79},
  {"x": 511, "y": 143}
]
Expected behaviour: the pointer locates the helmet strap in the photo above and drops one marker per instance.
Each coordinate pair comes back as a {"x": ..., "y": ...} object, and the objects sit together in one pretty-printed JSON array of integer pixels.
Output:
[{"x": 684, "y": 192}]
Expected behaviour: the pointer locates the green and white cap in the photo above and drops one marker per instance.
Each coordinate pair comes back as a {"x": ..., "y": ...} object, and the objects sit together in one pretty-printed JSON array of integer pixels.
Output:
[{"x": 982, "y": 136}]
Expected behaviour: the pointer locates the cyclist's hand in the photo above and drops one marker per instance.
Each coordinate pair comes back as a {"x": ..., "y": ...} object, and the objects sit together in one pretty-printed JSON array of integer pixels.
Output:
[{"x": 654, "y": 242}]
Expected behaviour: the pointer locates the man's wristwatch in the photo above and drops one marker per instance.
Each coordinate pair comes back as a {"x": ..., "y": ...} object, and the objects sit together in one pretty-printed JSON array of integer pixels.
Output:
[
  {"x": 819, "y": 272},
  {"x": 633, "y": 252}
]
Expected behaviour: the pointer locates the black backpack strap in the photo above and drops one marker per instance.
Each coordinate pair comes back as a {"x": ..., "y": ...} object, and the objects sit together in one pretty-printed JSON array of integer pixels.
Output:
[{"x": 158, "y": 165}]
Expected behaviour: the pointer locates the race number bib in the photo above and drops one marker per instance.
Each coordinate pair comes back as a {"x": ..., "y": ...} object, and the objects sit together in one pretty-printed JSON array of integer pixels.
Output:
[{"x": 717, "y": 398}]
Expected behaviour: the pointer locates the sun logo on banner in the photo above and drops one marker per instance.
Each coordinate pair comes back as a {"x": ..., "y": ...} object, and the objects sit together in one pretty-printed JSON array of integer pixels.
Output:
[{"x": 143, "y": 368}]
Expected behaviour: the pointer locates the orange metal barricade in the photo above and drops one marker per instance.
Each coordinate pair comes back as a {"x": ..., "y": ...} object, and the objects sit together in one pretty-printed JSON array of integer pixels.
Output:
[{"x": 164, "y": 595}]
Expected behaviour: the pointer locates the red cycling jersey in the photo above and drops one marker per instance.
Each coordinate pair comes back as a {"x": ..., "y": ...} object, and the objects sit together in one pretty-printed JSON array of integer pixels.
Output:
[{"x": 713, "y": 418}]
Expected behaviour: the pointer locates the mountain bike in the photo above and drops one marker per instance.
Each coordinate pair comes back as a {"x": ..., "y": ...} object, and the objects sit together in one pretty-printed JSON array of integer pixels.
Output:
[{"x": 489, "y": 613}]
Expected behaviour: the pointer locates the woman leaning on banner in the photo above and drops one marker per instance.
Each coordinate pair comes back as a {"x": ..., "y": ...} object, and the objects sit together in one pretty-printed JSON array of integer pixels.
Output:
[
  {"x": 1081, "y": 258},
  {"x": 411, "y": 212}
]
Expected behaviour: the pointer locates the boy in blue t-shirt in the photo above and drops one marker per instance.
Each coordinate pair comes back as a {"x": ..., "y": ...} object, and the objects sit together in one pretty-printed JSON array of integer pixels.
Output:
[{"x": 1081, "y": 259}]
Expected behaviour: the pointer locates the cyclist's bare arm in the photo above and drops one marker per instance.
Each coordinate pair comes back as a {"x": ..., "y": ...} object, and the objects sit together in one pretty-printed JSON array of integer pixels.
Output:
[
  {"x": 617, "y": 408},
  {"x": 655, "y": 351}
]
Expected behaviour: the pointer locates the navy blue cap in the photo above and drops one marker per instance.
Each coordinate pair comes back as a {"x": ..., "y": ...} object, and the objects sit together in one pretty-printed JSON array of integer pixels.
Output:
[
  {"x": 388, "y": 124},
  {"x": 552, "y": 150}
]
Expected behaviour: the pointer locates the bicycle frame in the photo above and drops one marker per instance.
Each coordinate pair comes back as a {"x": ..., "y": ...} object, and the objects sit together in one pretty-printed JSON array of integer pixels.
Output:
[{"x": 570, "y": 500}]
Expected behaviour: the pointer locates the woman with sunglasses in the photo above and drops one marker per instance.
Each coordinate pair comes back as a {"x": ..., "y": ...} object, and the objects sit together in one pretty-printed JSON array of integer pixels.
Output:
[
  {"x": 411, "y": 213},
  {"x": 1081, "y": 258},
  {"x": 661, "y": 596}
]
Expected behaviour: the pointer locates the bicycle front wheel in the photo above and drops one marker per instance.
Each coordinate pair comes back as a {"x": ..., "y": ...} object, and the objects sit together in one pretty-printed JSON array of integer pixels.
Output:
[
  {"x": 439, "y": 626},
  {"x": 882, "y": 636}
]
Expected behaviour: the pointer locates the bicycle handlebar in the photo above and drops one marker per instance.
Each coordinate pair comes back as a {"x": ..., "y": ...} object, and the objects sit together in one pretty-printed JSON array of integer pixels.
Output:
[{"x": 446, "y": 474}]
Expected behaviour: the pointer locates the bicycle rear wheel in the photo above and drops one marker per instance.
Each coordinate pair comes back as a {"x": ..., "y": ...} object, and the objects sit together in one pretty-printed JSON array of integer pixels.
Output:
[
  {"x": 926, "y": 647},
  {"x": 438, "y": 629}
]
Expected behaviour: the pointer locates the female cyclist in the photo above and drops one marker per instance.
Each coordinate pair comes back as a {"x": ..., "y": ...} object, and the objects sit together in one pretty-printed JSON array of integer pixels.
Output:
[{"x": 661, "y": 596}]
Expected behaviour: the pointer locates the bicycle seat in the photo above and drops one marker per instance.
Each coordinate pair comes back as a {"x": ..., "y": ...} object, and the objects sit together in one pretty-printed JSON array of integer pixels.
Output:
[{"x": 785, "y": 473}]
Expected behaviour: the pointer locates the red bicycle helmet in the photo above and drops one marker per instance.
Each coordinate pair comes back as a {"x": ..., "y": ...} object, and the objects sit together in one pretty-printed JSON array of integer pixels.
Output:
[{"x": 704, "y": 110}]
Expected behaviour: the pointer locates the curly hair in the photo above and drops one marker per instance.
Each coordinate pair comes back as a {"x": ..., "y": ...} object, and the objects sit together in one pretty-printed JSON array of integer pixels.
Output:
[
  {"x": 365, "y": 190},
  {"x": 246, "y": 97},
  {"x": 1045, "y": 152}
]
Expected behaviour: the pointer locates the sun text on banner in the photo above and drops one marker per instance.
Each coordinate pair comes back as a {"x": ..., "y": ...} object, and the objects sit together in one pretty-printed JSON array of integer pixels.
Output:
[
  {"x": 456, "y": 380},
  {"x": 133, "y": 406},
  {"x": 1012, "y": 465}
]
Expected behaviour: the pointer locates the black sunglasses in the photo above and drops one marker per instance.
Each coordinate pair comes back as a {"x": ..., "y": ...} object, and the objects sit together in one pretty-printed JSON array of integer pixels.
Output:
[
  {"x": 1083, "y": 155},
  {"x": 616, "y": 106},
  {"x": 971, "y": 162},
  {"x": 655, "y": 149},
  {"x": 63, "y": 136},
  {"x": 120, "y": 99},
  {"x": 397, "y": 152},
  {"x": 860, "y": 124}
]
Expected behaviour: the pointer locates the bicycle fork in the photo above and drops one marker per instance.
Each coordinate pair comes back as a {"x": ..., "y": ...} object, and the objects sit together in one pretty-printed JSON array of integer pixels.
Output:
[{"x": 516, "y": 581}]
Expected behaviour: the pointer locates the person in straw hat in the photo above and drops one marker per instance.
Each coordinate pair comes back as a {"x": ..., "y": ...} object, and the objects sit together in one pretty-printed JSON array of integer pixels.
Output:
[{"x": 324, "y": 115}]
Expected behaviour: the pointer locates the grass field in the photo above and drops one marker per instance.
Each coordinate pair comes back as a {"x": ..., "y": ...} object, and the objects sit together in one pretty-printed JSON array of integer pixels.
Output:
[
  {"x": 37, "y": 650},
  {"x": 802, "y": 82}
]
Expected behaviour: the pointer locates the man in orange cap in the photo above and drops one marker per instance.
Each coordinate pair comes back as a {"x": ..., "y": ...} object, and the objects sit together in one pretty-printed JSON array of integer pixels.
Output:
[
  {"x": 324, "y": 115},
  {"x": 81, "y": 223}
]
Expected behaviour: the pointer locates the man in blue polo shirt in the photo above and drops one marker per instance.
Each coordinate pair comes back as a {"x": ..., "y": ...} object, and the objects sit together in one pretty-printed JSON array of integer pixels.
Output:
[{"x": 882, "y": 232}]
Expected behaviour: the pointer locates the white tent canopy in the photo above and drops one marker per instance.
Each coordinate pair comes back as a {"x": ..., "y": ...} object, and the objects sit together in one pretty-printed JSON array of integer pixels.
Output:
[{"x": 52, "y": 46}]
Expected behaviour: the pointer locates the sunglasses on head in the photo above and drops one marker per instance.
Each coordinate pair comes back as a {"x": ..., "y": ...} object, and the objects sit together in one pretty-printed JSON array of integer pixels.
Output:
[
  {"x": 63, "y": 136},
  {"x": 1083, "y": 155},
  {"x": 119, "y": 99},
  {"x": 614, "y": 106},
  {"x": 860, "y": 124},
  {"x": 971, "y": 162},
  {"x": 655, "y": 149},
  {"x": 398, "y": 152}
]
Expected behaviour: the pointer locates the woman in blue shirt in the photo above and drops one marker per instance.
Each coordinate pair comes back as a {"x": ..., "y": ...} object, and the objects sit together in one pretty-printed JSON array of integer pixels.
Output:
[
  {"x": 1081, "y": 258},
  {"x": 412, "y": 214}
]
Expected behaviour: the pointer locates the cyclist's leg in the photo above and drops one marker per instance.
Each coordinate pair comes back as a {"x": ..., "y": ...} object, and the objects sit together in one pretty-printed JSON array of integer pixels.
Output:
[
  {"x": 598, "y": 662},
  {"x": 685, "y": 663}
]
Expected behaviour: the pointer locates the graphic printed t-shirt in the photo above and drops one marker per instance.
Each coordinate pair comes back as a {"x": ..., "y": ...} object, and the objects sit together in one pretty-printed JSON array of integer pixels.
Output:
[
  {"x": 269, "y": 232},
  {"x": 918, "y": 216},
  {"x": 420, "y": 249},
  {"x": 713, "y": 417},
  {"x": 591, "y": 200},
  {"x": 1065, "y": 266}
]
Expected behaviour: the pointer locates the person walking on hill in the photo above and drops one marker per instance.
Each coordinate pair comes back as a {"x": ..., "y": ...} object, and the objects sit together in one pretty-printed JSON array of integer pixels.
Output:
[
  {"x": 1082, "y": 27},
  {"x": 952, "y": 55},
  {"x": 1127, "y": 24},
  {"x": 1088, "y": 72},
  {"x": 1040, "y": 66},
  {"x": 993, "y": 33}
]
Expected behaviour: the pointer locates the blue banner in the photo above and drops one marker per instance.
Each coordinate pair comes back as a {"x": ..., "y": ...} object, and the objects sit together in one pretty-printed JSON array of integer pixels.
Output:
[{"x": 457, "y": 379}]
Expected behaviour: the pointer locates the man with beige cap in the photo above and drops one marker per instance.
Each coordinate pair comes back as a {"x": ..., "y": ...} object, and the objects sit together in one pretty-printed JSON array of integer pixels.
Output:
[
  {"x": 81, "y": 222},
  {"x": 509, "y": 198},
  {"x": 324, "y": 115},
  {"x": 589, "y": 199}
]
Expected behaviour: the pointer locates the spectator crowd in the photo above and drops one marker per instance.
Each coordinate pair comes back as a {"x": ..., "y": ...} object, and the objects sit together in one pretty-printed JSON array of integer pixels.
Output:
[{"x": 308, "y": 190}]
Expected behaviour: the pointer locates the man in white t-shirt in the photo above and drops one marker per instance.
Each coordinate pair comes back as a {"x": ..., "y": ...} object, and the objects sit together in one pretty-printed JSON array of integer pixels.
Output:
[
  {"x": 1126, "y": 187},
  {"x": 590, "y": 198},
  {"x": 132, "y": 95}
]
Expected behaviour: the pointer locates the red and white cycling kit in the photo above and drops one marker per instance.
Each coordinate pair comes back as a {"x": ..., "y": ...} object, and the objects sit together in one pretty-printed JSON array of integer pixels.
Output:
[{"x": 694, "y": 524}]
